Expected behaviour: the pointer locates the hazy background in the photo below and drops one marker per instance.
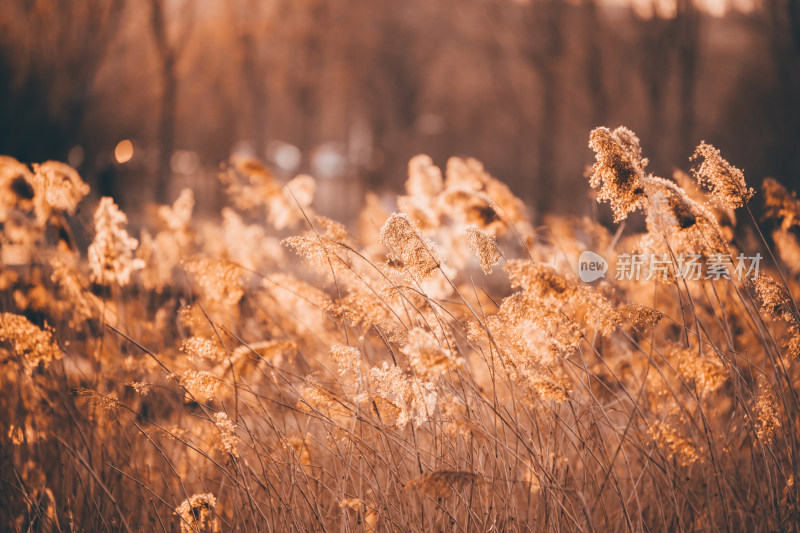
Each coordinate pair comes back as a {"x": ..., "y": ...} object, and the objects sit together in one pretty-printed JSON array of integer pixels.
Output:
[{"x": 348, "y": 90}]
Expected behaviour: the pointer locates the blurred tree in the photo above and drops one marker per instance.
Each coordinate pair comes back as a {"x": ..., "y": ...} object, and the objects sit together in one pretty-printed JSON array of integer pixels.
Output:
[
  {"x": 511, "y": 82},
  {"x": 543, "y": 47},
  {"x": 307, "y": 24},
  {"x": 782, "y": 26},
  {"x": 50, "y": 53},
  {"x": 670, "y": 49},
  {"x": 168, "y": 48},
  {"x": 655, "y": 36},
  {"x": 593, "y": 30},
  {"x": 252, "y": 22},
  {"x": 687, "y": 42},
  {"x": 394, "y": 79}
]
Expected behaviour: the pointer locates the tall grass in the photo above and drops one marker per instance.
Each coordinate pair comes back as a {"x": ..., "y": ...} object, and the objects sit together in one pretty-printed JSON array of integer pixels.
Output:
[{"x": 440, "y": 368}]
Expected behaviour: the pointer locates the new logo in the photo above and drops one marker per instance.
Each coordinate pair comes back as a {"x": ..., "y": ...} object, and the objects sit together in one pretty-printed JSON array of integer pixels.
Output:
[{"x": 591, "y": 266}]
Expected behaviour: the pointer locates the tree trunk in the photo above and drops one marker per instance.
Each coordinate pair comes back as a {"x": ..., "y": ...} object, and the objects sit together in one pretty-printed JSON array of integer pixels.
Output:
[
  {"x": 688, "y": 33},
  {"x": 594, "y": 64},
  {"x": 548, "y": 143},
  {"x": 166, "y": 129}
]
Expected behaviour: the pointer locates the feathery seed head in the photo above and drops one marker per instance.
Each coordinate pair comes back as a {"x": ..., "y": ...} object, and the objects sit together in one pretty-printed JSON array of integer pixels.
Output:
[
  {"x": 619, "y": 170},
  {"x": 111, "y": 254},
  {"x": 409, "y": 247},
  {"x": 484, "y": 247},
  {"x": 198, "y": 514},
  {"x": 725, "y": 181}
]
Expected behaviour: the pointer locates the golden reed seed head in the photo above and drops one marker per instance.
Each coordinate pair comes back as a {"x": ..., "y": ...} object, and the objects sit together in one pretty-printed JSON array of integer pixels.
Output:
[
  {"x": 414, "y": 397},
  {"x": 16, "y": 186},
  {"x": 642, "y": 317},
  {"x": 107, "y": 402},
  {"x": 428, "y": 356},
  {"x": 348, "y": 360},
  {"x": 774, "y": 298},
  {"x": 178, "y": 216},
  {"x": 424, "y": 178},
  {"x": 725, "y": 181},
  {"x": 673, "y": 443},
  {"x": 314, "y": 397},
  {"x": 203, "y": 348},
  {"x": 788, "y": 249},
  {"x": 676, "y": 224},
  {"x": 708, "y": 373},
  {"x": 327, "y": 251},
  {"x": 71, "y": 287},
  {"x": 199, "y": 514},
  {"x": 227, "y": 433},
  {"x": 484, "y": 247},
  {"x": 487, "y": 199},
  {"x": 219, "y": 281},
  {"x": 409, "y": 247},
  {"x": 767, "y": 419},
  {"x": 32, "y": 344},
  {"x": 539, "y": 280},
  {"x": 111, "y": 256},
  {"x": 56, "y": 186},
  {"x": 619, "y": 170},
  {"x": 780, "y": 204},
  {"x": 192, "y": 318},
  {"x": 142, "y": 388},
  {"x": 200, "y": 384}
]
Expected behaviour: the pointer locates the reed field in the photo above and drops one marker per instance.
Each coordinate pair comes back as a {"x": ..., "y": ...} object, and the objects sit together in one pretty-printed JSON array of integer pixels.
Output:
[{"x": 440, "y": 364}]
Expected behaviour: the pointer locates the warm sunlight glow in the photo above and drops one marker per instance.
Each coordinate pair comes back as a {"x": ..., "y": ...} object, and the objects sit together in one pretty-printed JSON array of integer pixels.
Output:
[
  {"x": 427, "y": 265},
  {"x": 667, "y": 8},
  {"x": 445, "y": 363}
]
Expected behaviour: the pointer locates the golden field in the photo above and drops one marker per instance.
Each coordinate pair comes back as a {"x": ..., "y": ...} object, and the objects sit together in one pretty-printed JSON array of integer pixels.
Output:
[{"x": 437, "y": 366}]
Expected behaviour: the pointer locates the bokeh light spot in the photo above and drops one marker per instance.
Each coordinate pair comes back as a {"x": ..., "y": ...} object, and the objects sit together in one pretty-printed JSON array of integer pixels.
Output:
[{"x": 124, "y": 151}]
